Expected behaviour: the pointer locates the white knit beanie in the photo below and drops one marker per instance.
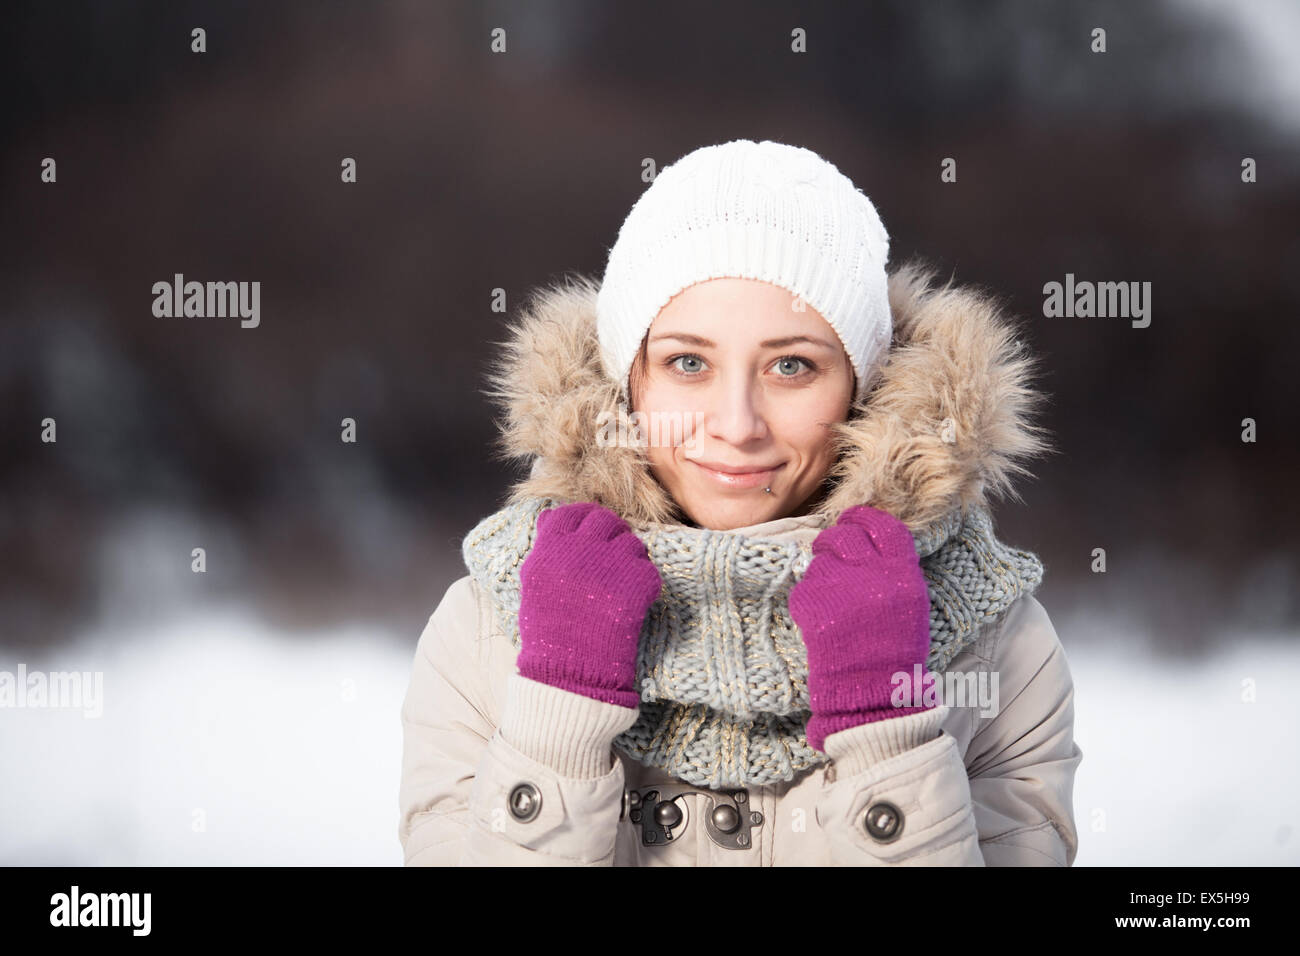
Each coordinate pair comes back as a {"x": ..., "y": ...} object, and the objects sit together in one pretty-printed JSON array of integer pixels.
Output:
[{"x": 766, "y": 211}]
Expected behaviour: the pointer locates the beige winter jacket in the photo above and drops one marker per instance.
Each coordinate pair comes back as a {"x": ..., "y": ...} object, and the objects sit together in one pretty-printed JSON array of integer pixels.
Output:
[{"x": 501, "y": 770}]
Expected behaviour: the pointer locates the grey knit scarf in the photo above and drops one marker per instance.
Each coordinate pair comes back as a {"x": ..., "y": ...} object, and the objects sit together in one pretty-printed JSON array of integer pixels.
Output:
[{"x": 722, "y": 670}]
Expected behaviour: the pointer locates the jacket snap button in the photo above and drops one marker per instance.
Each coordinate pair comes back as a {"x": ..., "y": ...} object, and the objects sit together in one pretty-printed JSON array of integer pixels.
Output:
[
  {"x": 668, "y": 814},
  {"x": 725, "y": 818},
  {"x": 884, "y": 821},
  {"x": 525, "y": 802}
]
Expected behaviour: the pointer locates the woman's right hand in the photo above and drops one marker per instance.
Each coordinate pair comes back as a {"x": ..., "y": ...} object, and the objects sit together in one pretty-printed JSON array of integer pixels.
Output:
[{"x": 586, "y": 586}]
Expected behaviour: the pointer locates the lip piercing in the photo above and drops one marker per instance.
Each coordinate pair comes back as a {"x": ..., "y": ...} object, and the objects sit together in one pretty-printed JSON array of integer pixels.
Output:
[{"x": 768, "y": 489}]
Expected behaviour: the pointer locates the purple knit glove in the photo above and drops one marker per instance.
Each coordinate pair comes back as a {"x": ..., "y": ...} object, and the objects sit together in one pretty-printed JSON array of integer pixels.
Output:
[
  {"x": 587, "y": 584},
  {"x": 864, "y": 612}
]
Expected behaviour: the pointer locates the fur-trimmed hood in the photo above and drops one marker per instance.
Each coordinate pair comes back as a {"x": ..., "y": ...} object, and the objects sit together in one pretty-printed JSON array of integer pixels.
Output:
[{"x": 946, "y": 425}]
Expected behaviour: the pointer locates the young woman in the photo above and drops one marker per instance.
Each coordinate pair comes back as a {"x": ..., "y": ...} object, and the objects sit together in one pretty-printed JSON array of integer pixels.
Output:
[{"x": 747, "y": 608}]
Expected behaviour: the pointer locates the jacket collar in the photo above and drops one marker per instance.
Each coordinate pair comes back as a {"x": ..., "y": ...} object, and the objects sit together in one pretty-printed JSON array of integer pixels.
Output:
[{"x": 945, "y": 426}]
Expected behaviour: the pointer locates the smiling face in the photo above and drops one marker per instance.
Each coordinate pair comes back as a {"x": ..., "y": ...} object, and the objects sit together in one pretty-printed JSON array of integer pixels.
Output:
[{"x": 754, "y": 383}]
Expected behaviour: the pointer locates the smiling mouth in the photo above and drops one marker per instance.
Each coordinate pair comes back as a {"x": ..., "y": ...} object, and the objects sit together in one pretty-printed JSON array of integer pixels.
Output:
[{"x": 749, "y": 479}]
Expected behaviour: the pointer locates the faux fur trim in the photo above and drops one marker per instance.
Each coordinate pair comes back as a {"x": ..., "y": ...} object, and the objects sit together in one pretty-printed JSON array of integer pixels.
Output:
[{"x": 945, "y": 426}]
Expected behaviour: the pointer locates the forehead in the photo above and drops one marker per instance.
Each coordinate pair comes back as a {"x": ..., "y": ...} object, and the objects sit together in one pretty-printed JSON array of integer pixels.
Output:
[{"x": 735, "y": 310}]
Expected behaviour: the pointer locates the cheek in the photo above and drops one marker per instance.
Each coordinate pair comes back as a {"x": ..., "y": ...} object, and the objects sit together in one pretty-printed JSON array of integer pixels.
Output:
[
  {"x": 663, "y": 397},
  {"x": 668, "y": 413},
  {"x": 805, "y": 433},
  {"x": 663, "y": 425}
]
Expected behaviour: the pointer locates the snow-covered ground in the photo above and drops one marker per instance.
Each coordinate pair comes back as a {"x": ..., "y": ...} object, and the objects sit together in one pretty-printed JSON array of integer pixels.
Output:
[
  {"x": 222, "y": 743},
  {"x": 1180, "y": 767}
]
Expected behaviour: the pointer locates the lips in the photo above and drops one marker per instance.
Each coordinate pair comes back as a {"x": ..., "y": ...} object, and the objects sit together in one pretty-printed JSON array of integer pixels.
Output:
[{"x": 738, "y": 478}]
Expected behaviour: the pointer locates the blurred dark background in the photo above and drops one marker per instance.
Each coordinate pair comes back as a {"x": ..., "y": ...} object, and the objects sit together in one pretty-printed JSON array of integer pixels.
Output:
[{"x": 479, "y": 170}]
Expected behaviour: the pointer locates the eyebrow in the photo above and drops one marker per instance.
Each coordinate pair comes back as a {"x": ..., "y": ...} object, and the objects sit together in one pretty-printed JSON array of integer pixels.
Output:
[{"x": 769, "y": 344}]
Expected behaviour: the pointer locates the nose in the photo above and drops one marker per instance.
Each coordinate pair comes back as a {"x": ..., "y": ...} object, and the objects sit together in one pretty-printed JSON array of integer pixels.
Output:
[{"x": 735, "y": 415}]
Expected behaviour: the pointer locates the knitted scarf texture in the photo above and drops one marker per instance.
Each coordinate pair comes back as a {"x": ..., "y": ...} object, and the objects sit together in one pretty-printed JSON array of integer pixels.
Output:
[{"x": 722, "y": 670}]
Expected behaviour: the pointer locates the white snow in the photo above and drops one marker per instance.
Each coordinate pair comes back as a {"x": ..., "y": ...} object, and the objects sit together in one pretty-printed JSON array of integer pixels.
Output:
[
  {"x": 1179, "y": 767},
  {"x": 222, "y": 742}
]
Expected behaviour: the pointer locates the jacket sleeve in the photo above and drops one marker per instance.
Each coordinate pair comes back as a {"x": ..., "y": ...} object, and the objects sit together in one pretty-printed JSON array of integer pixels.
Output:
[
  {"x": 552, "y": 751},
  {"x": 1007, "y": 802}
]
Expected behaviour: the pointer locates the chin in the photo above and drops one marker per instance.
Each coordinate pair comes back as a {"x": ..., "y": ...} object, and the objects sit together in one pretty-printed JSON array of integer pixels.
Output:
[{"x": 724, "y": 516}]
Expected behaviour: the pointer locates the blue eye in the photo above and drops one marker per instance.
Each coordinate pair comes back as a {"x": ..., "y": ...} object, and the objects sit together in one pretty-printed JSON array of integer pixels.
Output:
[{"x": 787, "y": 361}]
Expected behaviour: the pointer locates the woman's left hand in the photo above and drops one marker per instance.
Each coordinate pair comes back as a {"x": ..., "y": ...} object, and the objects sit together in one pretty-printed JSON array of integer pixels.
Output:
[{"x": 864, "y": 611}]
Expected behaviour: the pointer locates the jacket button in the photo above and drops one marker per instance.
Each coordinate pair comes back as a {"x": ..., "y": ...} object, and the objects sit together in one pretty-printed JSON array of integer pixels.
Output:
[
  {"x": 884, "y": 822},
  {"x": 525, "y": 802},
  {"x": 668, "y": 814},
  {"x": 726, "y": 819}
]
